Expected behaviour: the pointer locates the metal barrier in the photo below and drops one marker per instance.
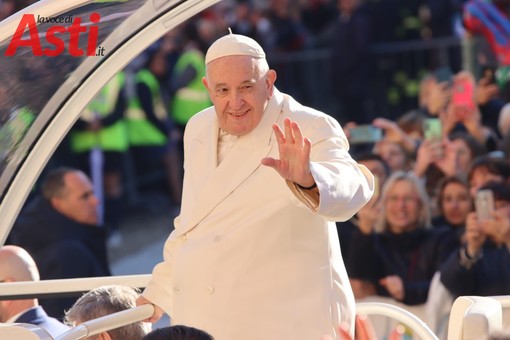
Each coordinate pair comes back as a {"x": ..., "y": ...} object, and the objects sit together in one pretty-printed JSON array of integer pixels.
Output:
[
  {"x": 396, "y": 68},
  {"x": 21, "y": 290},
  {"x": 108, "y": 322},
  {"x": 53, "y": 288},
  {"x": 417, "y": 325}
]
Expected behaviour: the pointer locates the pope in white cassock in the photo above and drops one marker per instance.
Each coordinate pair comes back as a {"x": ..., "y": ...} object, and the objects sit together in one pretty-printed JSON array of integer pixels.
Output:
[{"x": 255, "y": 253}]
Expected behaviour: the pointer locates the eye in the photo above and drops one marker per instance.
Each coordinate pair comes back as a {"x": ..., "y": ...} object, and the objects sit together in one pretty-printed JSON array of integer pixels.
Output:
[{"x": 222, "y": 91}]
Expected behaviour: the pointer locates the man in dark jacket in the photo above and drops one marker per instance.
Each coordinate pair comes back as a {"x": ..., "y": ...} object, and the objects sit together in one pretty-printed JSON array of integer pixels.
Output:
[
  {"x": 16, "y": 265},
  {"x": 59, "y": 229}
]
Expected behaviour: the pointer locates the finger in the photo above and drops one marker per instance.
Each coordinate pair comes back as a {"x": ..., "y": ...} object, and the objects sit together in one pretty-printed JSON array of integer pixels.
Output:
[
  {"x": 280, "y": 138},
  {"x": 344, "y": 332},
  {"x": 270, "y": 162},
  {"x": 307, "y": 147},
  {"x": 289, "y": 134},
  {"x": 298, "y": 136}
]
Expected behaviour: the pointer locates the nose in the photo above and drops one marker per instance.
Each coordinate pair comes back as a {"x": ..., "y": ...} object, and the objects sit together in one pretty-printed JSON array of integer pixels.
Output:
[
  {"x": 94, "y": 200},
  {"x": 236, "y": 100},
  {"x": 401, "y": 203}
]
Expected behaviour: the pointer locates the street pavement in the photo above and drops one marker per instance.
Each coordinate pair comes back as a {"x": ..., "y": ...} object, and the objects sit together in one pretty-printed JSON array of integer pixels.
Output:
[{"x": 144, "y": 231}]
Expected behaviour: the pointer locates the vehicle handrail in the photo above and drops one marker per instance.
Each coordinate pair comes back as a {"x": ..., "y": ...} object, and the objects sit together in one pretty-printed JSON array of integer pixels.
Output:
[
  {"x": 474, "y": 317},
  {"x": 504, "y": 300},
  {"x": 53, "y": 288},
  {"x": 108, "y": 322},
  {"x": 418, "y": 326}
]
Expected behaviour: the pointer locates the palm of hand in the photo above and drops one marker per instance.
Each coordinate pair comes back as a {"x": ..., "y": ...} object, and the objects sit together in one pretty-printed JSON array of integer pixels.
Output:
[
  {"x": 294, "y": 152},
  {"x": 292, "y": 159}
]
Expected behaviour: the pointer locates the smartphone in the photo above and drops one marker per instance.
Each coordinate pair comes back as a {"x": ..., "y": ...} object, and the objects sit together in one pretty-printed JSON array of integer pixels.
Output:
[
  {"x": 443, "y": 75},
  {"x": 365, "y": 134},
  {"x": 463, "y": 93},
  {"x": 489, "y": 72},
  {"x": 432, "y": 129},
  {"x": 484, "y": 204}
]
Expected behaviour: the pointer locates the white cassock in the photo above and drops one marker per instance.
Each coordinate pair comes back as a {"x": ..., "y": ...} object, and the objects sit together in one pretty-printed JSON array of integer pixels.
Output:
[{"x": 252, "y": 257}]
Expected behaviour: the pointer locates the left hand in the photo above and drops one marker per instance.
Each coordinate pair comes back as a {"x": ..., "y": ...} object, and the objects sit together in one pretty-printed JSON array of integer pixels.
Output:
[
  {"x": 294, "y": 149},
  {"x": 394, "y": 286}
]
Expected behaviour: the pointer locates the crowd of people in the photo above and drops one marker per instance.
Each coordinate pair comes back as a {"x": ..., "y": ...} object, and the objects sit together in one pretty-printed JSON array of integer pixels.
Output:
[{"x": 425, "y": 216}]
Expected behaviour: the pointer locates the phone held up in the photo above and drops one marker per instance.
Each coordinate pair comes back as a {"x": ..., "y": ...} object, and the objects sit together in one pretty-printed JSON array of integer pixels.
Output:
[
  {"x": 484, "y": 204},
  {"x": 432, "y": 129},
  {"x": 362, "y": 134},
  {"x": 463, "y": 93}
]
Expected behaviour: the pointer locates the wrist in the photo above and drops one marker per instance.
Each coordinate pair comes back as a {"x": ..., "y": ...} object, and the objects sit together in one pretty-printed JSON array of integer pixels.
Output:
[{"x": 469, "y": 258}]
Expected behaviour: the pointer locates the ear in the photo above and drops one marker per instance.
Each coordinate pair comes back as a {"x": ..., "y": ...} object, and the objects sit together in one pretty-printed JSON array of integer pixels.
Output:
[
  {"x": 55, "y": 203},
  {"x": 270, "y": 79},
  {"x": 204, "y": 81}
]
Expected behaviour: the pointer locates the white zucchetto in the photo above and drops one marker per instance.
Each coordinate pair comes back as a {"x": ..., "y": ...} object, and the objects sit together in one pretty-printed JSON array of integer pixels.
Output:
[{"x": 234, "y": 44}]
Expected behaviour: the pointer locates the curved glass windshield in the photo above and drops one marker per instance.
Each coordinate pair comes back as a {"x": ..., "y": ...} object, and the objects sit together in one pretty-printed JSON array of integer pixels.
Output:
[
  {"x": 63, "y": 53},
  {"x": 36, "y": 63}
]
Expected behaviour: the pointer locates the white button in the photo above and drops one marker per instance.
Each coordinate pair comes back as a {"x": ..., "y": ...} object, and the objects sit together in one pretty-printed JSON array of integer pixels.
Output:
[
  {"x": 176, "y": 290},
  {"x": 210, "y": 289},
  {"x": 183, "y": 238}
]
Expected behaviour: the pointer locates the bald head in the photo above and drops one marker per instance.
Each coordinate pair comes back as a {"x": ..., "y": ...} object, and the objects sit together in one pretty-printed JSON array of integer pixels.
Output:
[{"x": 17, "y": 265}]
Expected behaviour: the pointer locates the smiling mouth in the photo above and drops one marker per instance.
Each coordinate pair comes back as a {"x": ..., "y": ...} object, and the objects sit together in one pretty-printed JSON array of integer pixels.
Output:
[{"x": 238, "y": 114}]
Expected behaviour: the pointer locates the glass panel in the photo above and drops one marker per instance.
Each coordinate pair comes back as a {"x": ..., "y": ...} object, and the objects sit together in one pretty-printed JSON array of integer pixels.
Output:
[{"x": 29, "y": 81}]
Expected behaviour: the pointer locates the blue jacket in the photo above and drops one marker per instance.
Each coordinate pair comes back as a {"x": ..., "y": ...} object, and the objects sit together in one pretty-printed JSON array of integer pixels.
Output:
[
  {"x": 37, "y": 316},
  {"x": 489, "y": 276}
]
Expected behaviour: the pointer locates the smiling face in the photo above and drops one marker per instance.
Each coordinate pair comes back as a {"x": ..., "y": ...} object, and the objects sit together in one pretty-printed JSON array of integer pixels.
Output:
[
  {"x": 402, "y": 206},
  {"x": 239, "y": 87},
  {"x": 456, "y": 203}
]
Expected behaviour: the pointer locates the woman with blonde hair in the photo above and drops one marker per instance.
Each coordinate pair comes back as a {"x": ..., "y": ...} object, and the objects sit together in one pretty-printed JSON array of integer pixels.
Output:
[{"x": 395, "y": 252}]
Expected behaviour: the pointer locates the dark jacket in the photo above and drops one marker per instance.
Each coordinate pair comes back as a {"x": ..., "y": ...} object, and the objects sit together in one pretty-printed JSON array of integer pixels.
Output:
[
  {"x": 414, "y": 256},
  {"x": 488, "y": 276},
  {"x": 62, "y": 248},
  {"x": 37, "y": 316}
]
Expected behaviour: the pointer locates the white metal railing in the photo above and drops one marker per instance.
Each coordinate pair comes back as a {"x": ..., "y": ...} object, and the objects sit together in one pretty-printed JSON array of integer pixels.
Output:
[
  {"x": 419, "y": 327},
  {"x": 13, "y": 289},
  {"x": 504, "y": 300},
  {"x": 108, "y": 322},
  {"x": 115, "y": 320}
]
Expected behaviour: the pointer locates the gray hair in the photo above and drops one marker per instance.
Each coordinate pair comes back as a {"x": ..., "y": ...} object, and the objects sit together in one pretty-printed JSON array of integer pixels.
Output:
[
  {"x": 54, "y": 184},
  {"x": 424, "y": 215},
  {"x": 106, "y": 300}
]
